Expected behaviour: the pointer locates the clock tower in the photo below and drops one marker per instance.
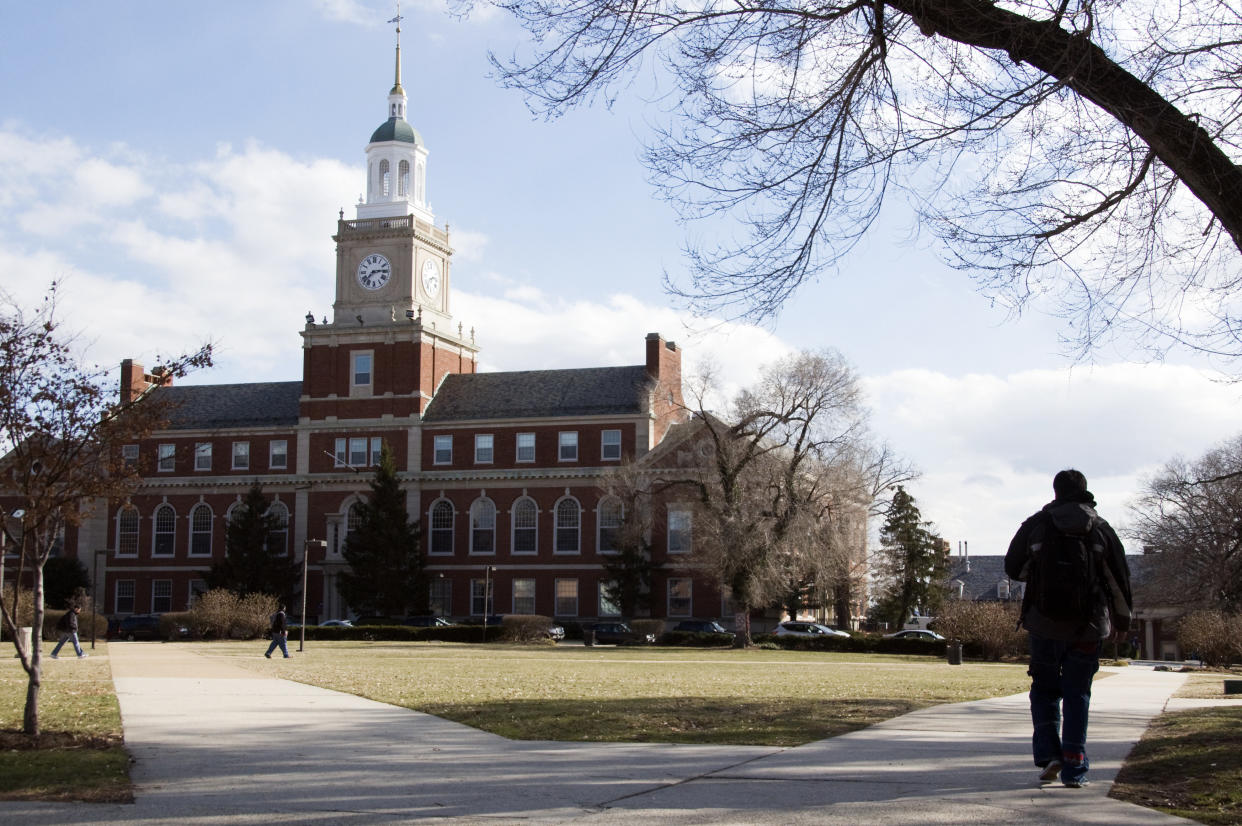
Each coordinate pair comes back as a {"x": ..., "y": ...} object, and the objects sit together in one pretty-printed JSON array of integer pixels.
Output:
[{"x": 392, "y": 334}]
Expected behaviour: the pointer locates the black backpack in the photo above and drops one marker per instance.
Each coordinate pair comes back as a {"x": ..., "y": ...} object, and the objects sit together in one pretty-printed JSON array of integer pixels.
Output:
[{"x": 1065, "y": 579}]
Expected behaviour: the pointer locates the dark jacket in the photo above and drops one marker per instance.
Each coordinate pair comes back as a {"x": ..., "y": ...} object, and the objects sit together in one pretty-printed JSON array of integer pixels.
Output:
[
  {"x": 68, "y": 624},
  {"x": 279, "y": 624},
  {"x": 1114, "y": 613}
]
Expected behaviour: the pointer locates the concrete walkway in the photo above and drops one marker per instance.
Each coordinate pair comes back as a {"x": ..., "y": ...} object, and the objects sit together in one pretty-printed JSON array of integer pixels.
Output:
[{"x": 216, "y": 744}]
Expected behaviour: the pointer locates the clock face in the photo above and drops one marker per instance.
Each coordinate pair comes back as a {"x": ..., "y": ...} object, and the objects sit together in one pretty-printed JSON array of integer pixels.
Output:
[
  {"x": 431, "y": 277},
  {"x": 374, "y": 271}
]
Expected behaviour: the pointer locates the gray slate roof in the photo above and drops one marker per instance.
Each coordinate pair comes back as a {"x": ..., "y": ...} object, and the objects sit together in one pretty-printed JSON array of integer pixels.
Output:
[
  {"x": 212, "y": 406},
  {"x": 980, "y": 581},
  {"x": 590, "y": 391}
]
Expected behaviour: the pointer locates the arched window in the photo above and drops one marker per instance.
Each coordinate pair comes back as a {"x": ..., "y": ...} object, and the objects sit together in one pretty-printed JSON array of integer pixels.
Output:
[
  {"x": 385, "y": 182},
  {"x": 278, "y": 537},
  {"x": 442, "y": 527},
  {"x": 165, "y": 525},
  {"x": 611, "y": 514},
  {"x": 200, "y": 530},
  {"x": 403, "y": 178},
  {"x": 568, "y": 520},
  {"x": 525, "y": 526},
  {"x": 127, "y": 531},
  {"x": 483, "y": 527}
]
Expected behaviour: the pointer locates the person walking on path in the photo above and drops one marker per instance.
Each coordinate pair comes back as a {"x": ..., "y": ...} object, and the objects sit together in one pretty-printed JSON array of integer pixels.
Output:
[
  {"x": 68, "y": 628},
  {"x": 280, "y": 633},
  {"x": 1077, "y": 595}
]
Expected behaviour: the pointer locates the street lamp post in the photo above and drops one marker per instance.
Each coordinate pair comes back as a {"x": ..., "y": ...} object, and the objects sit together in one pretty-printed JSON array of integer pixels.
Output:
[
  {"x": 487, "y": 601},
  {"x": 310, "y": 543},
  {"x": 95, "y": 594}
]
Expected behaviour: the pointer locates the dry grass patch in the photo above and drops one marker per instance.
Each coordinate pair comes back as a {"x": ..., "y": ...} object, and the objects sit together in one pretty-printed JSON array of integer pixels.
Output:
[
  {"x": 752, "y": 697},
  {"x": 80, "y": 753}
]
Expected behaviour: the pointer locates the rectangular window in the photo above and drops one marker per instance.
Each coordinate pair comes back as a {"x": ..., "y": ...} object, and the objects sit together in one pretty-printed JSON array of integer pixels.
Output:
[
  {"x": 278, "y": 454},
  {"x": 481, "y": 603},
  {"x": 440, "y": 598},
  {"x": 610, "y": 445},
  {"x": 483, "y": 449},
  {"x": 679, "y": 528},
  {"x": 198, "y": 587},
  {"x": 526, "y": 447},
  {"x": 377, "y": 445},
  {"x": 167, "y": 458},
  {"x": 358, "y": 452},
  {"x": 680, "y": 591},
  {"x": 443, "y": 454},
  {"x": 241, "y": 455},
  {"x": 202, "y": 456},
  {"x": 566, "y": 597},
  {"x": 523, "y": 596},
  {"x": 608, "y": 607},
  {"x": 362, "y": 369},
  {"x": 341, "y": 452},
  {"x": 124, "y": 603},
  {"x": 129, "y": 455},
  {"x": 161, "y": 596},
  {"x": 568, "y": 442}
]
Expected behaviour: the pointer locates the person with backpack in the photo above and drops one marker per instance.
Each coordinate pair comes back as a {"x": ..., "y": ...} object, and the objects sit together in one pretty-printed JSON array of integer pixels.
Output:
[
  {"x": 280, "y": 633},
  {"x": 1077, "y": 595},
  {"x": 67, "y": 625}
]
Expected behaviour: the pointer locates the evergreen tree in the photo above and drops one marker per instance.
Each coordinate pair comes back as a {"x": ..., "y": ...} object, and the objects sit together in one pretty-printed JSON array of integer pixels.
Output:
[
  {"x": 249, "y": 567},
  {"x": 912, "y": 563},
  {"x": 386, "y": 565}
]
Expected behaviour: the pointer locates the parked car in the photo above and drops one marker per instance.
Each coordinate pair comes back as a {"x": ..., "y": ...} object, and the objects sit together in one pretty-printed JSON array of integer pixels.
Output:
[
  {"x": 426, "y": 622},
  {"x": 336, "y": 623},
  {"x": 702, "y": 627},
  {"x": 142, "y": 627},
  {"x": 807, "y": 629},
  {"x": 914, "y": 634},
  {"x": 620, "y": 633},
  {"x": 421, "y": 622}
]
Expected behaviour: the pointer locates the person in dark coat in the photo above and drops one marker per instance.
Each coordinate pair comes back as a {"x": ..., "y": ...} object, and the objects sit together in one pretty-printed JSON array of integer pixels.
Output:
[
  {"x": 68, "y": 628},
  {"x": 1065, "y": 653},
  {"x": 280, "y": 633}
]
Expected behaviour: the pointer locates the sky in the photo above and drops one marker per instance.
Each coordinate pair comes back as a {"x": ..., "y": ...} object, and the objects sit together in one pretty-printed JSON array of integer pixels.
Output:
[{"x": 179, "y": 167}]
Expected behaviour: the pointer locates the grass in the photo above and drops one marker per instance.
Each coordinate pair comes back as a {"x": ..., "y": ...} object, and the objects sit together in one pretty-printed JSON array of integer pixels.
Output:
[
  {"x": 79, "y": 754},
  {"x": 654, "y": 695},
  {"x": 1189, "y": 763}
]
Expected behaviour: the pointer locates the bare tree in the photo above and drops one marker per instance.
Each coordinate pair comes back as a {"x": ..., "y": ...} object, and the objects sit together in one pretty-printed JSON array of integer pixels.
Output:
[
  {"x": 1188, "y": 520},
  {"x": 62, "y": 429},
  {"x": 760, "y": 484},
  {"x": 630, "y": 568},
  {"x": 1079, "y": 150}
]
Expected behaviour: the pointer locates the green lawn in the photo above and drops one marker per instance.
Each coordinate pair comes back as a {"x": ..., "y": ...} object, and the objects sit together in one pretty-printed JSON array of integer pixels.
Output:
[
  {"x": 79, "y": 753},
  {"x": 666, "y": 695}
]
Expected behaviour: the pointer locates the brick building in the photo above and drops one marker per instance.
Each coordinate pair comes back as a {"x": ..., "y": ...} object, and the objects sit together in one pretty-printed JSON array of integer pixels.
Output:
[{"x": 502, "y": 470}]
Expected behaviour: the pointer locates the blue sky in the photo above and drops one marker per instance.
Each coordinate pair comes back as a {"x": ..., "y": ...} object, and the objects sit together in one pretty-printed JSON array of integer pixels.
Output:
[{"x": 180, "y": 166}]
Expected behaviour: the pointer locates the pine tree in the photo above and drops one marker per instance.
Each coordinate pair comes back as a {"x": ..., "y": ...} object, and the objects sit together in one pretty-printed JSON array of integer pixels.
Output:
[
  {"x": 912, "y": 563},
  {"x": 249, "y": 567},
  {"x": 386, "y": 565}
]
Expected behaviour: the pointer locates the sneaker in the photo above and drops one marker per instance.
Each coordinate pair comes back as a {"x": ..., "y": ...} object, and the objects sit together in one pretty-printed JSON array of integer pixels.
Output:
[
  {"x": 1077, "y": 783},
  {"x": 269, "y": 656},
  {"x": 1050, "y": 772},
  {"x": 54, "y": 656},
  {"x": 83, "y": 655}
]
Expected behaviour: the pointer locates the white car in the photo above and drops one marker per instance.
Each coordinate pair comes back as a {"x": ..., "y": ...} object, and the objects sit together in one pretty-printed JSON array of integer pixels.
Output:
[
  {"x": 807, "y": 629},
  {"x": 914, "y": 634}
]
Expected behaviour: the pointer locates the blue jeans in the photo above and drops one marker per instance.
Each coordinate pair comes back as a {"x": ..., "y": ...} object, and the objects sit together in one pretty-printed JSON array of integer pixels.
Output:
[
  {"x": 278, "y": 639},
  {"x": 1061, "y": 674},
  {"x": 64, "y": 638}
]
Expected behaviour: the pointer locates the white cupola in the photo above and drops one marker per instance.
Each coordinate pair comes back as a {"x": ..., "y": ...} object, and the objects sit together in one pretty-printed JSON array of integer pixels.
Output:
[{"x": 396, "y": 161}]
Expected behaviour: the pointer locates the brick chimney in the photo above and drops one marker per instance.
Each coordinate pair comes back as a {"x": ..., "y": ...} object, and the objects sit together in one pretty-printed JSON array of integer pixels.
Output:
[
  {"x": 135, "y": 379},
  {"x": 664, "y": 366}
]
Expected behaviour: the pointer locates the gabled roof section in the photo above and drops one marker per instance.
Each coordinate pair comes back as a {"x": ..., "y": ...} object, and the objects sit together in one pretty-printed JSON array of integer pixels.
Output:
[
  {"x": 979, "y": 576},
  {"x": 529, "y": 394},
  {"x": 213, "y": 406}
]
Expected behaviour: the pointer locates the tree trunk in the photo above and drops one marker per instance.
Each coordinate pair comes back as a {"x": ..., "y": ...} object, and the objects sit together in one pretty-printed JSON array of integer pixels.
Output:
[
  {"x": 1180, "y": 143},
  {"x": 741, "y": 624},
  {"x": 841, "y": 605},
  {"x": 30, "y": 718}
]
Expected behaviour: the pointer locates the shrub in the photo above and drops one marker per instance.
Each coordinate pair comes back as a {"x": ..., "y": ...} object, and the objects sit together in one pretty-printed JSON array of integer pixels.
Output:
[
  {"x": 989, "y": 628},
  {"x": 221, "y": 614},
  {"x": 172, "y": 623},
  {"x": 1214, "y": 636},
  {"x": 696, "y": 639},
  {"x": 648, "y": 626},
  {"x": 525, "y": 628}
]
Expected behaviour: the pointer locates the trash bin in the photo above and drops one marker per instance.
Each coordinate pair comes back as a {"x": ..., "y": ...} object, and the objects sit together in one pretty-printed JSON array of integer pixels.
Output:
[
  {"x": 1233, "y": 686},
  {"x": 953, "y": 651},
  {"x": 27, "y": 635},
  {"x": 588, "y": 637}
]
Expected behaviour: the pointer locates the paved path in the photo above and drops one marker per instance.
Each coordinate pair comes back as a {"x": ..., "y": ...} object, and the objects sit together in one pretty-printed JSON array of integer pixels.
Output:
[{"x": 228, "y": 746}]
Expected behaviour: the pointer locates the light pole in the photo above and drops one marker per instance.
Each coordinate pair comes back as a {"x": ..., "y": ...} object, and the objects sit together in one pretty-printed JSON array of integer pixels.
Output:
[
  {"x": 487, "y": 594},
  {"x": 95, "y": 594},
  {"x": 310, "y": 543}
]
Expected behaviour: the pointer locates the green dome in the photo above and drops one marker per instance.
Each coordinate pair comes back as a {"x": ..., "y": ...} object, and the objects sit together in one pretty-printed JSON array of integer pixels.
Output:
[{"x": 396, "y": 129}]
